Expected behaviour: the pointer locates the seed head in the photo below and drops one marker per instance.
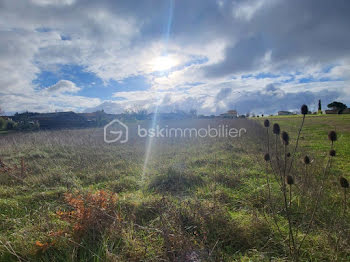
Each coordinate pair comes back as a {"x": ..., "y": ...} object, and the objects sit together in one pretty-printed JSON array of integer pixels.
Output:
[
  {"x": 344, "y": 182},
  {"x": 285, "y": 138},
  {"x": 304, "y": 109},
  {"x": 332, "y": 152},
  {"x": 276, "y": 129},
  {"x": 288, "y": 154},
  {"x": 267, "y": 157},
  {"x": 306, "y": 160},
  {"x": 332, "y": 135},
  {"x": 267, "y": 123},
  {"x": 290, "y": 180}
]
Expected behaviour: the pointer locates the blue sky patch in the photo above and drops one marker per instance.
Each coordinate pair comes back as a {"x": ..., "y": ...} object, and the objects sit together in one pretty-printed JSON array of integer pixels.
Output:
[{"x": 91, "y": 85}]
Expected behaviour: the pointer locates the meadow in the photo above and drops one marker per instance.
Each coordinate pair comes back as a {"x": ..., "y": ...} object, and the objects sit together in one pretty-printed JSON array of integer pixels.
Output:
[{"x": 66, "y": 195}]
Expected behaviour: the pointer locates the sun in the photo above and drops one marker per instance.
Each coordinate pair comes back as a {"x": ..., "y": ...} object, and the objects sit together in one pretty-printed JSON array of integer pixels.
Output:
[{"x": 163, "y": 63}]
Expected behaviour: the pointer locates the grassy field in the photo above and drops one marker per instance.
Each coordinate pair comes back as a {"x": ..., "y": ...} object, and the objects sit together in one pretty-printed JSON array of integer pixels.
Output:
[{"x": 68, "y": 196}]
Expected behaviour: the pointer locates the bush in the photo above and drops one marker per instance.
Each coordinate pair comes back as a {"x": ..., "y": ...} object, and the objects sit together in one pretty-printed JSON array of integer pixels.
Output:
[
  {"x": 11, "y": 125},
  {"x": 28, "y": 125},
  {"x": 91, "y": 214},
  {"x": 2, "y": 123}
]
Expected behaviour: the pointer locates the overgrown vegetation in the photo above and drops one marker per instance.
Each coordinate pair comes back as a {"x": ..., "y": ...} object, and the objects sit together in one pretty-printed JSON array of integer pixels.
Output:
[{"x": 68, "y": 196}]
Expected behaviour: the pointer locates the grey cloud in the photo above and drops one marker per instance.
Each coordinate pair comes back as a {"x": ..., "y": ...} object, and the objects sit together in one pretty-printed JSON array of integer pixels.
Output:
[
  {"x": 222, "y": 94},
  {"x": 272, "y": 99},
  {"x": 314, "y": 31},
  {"x": 110, "y": 37},
  {"x": 244, "y": 56}
]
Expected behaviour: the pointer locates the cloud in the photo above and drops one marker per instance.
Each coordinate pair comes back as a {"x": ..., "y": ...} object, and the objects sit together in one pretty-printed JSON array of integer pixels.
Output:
[
  {"x": 63, "y": 86},
  {"x": 272, "y": 99},
  {"x": 223, "y": 48},
  {"x": 53, "y": 2},
  {"x": 286, "y": 35}
]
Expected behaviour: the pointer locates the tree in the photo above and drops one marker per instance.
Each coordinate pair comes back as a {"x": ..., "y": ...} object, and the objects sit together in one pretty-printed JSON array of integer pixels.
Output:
[
  {"x": 319, "y": 107},
  {"x": 337, "y": 106},
  {"x": 1, "y": 112}
]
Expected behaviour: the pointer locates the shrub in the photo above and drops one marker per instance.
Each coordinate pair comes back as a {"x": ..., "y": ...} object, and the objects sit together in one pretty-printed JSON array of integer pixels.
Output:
[
  {"x": 11, "y": 125},
  {"x": 2, "y": 123},
  {"x": 90, "y": 215}
]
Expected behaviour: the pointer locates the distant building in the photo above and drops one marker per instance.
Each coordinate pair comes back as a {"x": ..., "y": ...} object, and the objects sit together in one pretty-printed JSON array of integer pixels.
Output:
[
  {"x": 284, "y": 113},
  {"x": 230, "y": 114}
]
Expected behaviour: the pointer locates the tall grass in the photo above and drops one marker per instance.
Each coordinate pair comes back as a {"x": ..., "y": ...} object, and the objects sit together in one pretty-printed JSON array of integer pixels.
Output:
[{"x": 210, "y": 199}]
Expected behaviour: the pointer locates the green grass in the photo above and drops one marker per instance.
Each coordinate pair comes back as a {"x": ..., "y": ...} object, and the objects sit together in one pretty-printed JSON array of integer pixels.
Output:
[
  {"x": 197, "y": 198},
  {"x": 314, "y": 137}
]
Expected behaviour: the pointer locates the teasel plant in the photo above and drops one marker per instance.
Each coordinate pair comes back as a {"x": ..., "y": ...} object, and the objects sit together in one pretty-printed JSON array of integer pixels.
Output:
[
  {"x": 267, "y": 157},
  {"x": 304, "y": 110},
  {"x": 306, "y": 178},
  {"x": 287, "y": 179},
  {"x": 281, "y": 178},
  {"x": 344, "y": 183},
  {"x": 332, "y": 137},
  {"x": 281, "y": 163}
]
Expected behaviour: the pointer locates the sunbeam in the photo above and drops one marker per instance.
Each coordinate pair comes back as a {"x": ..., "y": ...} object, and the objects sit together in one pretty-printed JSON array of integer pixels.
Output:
[{"x": 162, "y": 63}]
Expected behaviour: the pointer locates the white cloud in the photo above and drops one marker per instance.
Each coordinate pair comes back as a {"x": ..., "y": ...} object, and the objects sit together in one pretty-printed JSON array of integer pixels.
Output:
[
  {"x": 248, "y": 9},
  {"x": 118, "y": 39},
  {"x": 63, "y": 86},
  {"x": 53, "y": 2}
]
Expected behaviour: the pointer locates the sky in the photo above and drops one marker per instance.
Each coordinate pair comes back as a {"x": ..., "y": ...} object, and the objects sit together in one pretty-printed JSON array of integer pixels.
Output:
[{"x": 255, "y": 56}]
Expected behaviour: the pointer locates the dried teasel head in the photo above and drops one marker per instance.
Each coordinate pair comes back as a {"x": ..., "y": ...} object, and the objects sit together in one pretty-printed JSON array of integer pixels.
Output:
[
  {"x": 304, "y": 109},
  {"x": 306, "y": 160},
  {"x": 285, "y": 138},
  {"x": 276, "y": 129},
  {"x": 344, "y": 183},
  {"x": 332, "y": 152},
  {"x": 267, "y": 157},
  {"x": 332, "y": 135},
  {"x": 267, "y": 123},
  {"x": 290, "y": 180}
]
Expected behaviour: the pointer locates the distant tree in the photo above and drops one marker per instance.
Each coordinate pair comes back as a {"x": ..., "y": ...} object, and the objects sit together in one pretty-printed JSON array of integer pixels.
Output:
[
  {"x": 11, "y": 125},
  {"x": 319, "y": 105},
  {"x": 337, "y": 106},
  {"x": 1, "y": 112},
  {"x": 2, "y": 123}
]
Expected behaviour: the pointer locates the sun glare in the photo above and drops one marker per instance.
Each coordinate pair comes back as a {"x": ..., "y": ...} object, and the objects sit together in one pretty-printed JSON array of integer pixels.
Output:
[{"x": 163, "y": 63}]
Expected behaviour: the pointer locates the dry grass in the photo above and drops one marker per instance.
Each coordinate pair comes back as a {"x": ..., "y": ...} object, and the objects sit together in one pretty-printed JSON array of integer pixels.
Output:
[{"x": 197, "y": 199}]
